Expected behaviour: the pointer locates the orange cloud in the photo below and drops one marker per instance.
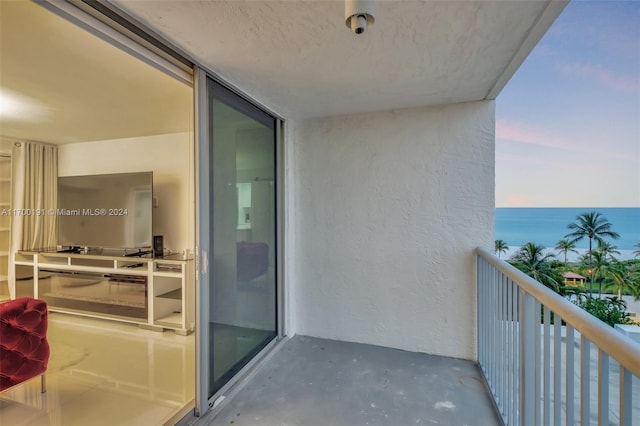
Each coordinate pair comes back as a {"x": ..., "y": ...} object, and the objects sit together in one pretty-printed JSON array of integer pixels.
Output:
[{"x": 516, "y": 200}]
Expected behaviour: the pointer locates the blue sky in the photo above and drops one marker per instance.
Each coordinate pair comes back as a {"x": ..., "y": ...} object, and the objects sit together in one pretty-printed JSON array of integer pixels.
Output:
[{"x": 568, "y": 122}]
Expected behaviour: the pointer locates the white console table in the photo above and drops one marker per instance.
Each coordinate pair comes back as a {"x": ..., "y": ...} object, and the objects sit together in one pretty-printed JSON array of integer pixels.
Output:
[{"x": 155, "y": 293}]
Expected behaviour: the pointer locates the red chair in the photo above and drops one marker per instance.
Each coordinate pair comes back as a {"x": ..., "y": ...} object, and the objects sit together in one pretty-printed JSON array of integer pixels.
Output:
[{"x": 24, "y": 350}]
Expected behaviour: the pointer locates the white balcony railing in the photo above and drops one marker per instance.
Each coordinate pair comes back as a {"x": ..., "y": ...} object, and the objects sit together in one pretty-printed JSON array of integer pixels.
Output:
[{"x": 529, "y": 357}]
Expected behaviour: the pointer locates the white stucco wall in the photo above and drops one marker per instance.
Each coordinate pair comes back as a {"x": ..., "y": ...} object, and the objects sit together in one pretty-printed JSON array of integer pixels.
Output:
[
  {"x": 289, "y": 214},
  {"x": 169, "y": 156},
  {"x": 388, "y": 209}
]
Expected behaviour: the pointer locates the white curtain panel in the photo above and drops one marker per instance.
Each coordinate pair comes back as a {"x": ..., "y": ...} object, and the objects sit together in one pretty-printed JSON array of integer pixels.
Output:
[{"x": 34, "y": 198}]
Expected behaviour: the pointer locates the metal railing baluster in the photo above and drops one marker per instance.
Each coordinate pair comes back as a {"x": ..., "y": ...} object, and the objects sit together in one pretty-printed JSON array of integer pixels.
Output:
[
  {"x": 603, "y": 388},
  {"x": 529, "y": 371},
  {"x": 585, "y": 380},
  {"x": 546, "y": 362},
  {"x": 569, "y": 377},
  {"x": 557, "y": 370},
  {"x": 516, "y": 354},
  {"x": 537, "y": 372},
  {"x": 501, "y": 345},
  {"x": 510, "y": 344},
  {"x": 626, "y": 418},
  {"x": 527, "y": 359},
  {"x": 480, "y": 311},
  {"x": 492, "y": 334}
]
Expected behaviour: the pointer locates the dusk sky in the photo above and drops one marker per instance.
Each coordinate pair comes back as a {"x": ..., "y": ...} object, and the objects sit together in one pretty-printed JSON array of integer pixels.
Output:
[{"x": 568, "y": 122}]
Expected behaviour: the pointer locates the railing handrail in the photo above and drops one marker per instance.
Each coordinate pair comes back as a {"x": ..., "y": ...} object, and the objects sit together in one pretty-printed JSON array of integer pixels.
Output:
[{"x": 622, "y": 349}]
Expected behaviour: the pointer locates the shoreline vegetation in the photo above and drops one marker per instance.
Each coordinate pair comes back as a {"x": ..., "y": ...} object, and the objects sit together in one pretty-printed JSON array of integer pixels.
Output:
[{"x": 594, "y": 279}]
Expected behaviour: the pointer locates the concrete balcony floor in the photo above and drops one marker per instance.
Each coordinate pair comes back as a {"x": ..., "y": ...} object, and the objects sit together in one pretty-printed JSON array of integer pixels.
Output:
[{"x": 312, "y": 381}]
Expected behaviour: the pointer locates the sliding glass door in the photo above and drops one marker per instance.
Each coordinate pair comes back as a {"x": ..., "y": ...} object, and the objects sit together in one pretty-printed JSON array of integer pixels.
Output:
[{"x": 241, "y": 276}]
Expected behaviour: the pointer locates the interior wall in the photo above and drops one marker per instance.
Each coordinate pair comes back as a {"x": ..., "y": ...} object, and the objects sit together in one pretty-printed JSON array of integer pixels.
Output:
[
  {"x": 388, "y": 210},
  {"x": 168, "y": 156},
  {"x": 5, "y": 145},
  {"x": 5, "y": 219}
]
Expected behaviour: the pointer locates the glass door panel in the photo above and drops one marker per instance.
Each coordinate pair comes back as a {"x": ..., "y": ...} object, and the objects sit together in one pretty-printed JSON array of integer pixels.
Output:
[{"x": 242, "y": 292}]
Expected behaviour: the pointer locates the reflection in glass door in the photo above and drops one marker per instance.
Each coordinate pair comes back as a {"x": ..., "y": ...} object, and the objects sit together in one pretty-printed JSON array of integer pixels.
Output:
[{"x": 242, "y": 288}]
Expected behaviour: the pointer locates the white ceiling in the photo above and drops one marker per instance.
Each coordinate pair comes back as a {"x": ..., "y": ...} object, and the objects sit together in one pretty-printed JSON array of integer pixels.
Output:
[
  {"x": 61, "y": 84},
  {"x": 299, "y": 59},
  {"x": 295, "y": 57}
]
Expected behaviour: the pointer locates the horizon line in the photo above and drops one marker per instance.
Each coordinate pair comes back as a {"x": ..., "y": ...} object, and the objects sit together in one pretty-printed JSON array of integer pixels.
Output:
[{"x": 567, "y": 207}]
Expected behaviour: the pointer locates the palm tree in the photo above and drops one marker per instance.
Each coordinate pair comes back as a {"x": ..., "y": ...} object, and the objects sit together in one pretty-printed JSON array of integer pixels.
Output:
[
  {"x": 532, "y": 260},
  {"x": 635, "y": 291},
  {"x": 634, "y": 287},
  {"x": 637, "y": 252},
  {"x": 594, "y": 226},
  {"x": 633, "y": 282},
  {"x": 599, "y": 268},
  {"x": 608, "y": 250},
  {"x": 620, "y": 277},
  {"x": 565, "y": 246},
  {"x": 501, "y": 247}
]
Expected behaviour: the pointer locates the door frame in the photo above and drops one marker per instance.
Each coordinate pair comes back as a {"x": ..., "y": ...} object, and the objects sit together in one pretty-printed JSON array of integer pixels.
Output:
[
  {"x": 203, "y": 175},
  {"x": 116, "y": 26}
]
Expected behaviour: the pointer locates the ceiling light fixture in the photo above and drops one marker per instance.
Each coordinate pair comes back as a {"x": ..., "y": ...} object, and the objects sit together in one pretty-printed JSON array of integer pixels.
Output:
[{"x": 358, "y": 14}]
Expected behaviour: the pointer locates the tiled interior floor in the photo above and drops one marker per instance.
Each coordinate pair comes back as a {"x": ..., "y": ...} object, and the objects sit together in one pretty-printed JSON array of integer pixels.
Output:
[
  {"x": 106, "y": 373},
  {"x": 4, "y": 291}
]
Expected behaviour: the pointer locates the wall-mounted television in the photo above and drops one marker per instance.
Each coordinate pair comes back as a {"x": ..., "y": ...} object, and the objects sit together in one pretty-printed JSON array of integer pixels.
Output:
[{"x": 106, "y": 211}]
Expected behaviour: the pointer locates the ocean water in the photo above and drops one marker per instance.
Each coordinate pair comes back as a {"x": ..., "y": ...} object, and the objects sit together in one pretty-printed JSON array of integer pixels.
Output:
[{"x": 547, "y": 226}]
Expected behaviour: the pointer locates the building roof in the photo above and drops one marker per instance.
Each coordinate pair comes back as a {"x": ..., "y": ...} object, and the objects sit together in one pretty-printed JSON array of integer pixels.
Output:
[{"x": 573, "y": 276}]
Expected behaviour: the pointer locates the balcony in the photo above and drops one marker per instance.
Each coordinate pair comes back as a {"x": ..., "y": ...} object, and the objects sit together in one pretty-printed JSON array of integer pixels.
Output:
[
  {"x": 318, "y": 382},
  {"x": 545, "y": 361}
]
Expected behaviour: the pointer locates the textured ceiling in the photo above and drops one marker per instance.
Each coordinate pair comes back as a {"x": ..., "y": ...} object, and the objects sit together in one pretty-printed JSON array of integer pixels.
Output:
[
  {"x": 61, "y": 84},
  {"x": 295, "y": 57},
  {"x": 299, "y": 59}
]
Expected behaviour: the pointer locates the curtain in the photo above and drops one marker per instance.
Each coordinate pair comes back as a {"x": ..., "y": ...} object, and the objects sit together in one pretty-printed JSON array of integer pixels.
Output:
[{"x": 33, "y": 198}]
